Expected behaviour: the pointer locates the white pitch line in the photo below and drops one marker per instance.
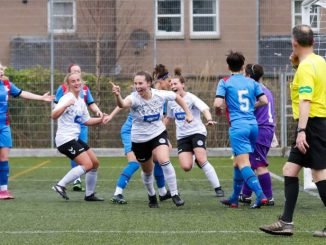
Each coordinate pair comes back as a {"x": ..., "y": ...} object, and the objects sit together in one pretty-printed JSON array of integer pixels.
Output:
[
  {"x": 114, "y": 180},
  {"x": 279, "y": 178},
  {"x": 104, "y": 167},
  {"x": 135, "y": 232}
]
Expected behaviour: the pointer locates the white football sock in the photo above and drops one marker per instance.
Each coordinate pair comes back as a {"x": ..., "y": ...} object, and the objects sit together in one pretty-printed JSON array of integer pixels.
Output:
[
  {"x": 170, "y": 177},
  {"x": 211, "y": 174},
  {"x": 148, "y": 180},
  {"x": 162, "y": 191},
  {"x": 118, "y": 190},
  {"x": 90, "y": 182},
  {"x": 73, "y": 174}
]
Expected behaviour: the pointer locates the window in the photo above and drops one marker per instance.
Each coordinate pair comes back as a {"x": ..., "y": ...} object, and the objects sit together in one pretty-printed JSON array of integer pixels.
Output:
[
  {"x": 204, "y": 19},
  {"x": 314, "y": 15},
  {"x": 169, "y": 18},
  {"x": 63, "y": 16}
]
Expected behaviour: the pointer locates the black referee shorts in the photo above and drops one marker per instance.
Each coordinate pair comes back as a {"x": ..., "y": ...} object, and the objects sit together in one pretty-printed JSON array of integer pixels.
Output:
[{"x": 315, "y": 157}]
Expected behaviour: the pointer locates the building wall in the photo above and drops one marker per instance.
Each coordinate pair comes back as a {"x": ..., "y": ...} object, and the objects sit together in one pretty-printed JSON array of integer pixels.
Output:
[
  {"x": 19, "y": 19},
  {"x": 275, "y": 17},
  {"x": 194, "y": 56}
]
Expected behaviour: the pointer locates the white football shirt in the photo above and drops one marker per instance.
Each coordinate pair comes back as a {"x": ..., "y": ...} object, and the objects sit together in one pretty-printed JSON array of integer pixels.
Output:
[
  {"x": 196, "y": 106},
  {"x": 70, "y": 120},
  {"x": 147, "y": 115}
]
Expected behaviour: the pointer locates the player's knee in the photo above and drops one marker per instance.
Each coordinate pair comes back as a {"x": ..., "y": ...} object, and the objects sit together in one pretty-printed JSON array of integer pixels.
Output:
[
  {"x": 288, "y": 170},
  {"x": 261, "y": 170},
  {"x": 96, "y": 164},
  {"x": 187, "y": 167}
]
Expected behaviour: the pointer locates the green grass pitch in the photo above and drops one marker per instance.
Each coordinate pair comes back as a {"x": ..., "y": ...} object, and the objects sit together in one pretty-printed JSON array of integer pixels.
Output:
[{"x": 39, "y": 216}]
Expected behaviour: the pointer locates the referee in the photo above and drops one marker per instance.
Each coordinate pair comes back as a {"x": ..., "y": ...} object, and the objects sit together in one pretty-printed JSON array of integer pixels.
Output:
[{"x": 308, "y": 94}]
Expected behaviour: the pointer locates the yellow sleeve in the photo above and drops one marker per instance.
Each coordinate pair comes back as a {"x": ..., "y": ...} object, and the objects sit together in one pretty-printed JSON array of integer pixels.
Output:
[{"x": 306, "y": 76}]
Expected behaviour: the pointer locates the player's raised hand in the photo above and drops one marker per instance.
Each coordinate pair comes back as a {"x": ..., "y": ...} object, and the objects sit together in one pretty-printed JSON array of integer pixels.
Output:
[
  {"x": 294, "y": 60},
  {"x": 115, "y": 89}
]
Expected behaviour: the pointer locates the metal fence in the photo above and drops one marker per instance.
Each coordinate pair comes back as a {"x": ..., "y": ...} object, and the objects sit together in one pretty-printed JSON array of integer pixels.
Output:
[{"x": 112, "y": 39}]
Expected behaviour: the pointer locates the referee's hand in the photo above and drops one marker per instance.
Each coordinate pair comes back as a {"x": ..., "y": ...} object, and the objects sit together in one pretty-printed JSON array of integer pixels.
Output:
[{"x": 301, "y": 142}]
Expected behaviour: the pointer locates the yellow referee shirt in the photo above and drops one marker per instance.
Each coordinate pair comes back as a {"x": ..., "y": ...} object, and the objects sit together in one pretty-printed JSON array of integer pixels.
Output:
[{"x": 309, "y": 83}]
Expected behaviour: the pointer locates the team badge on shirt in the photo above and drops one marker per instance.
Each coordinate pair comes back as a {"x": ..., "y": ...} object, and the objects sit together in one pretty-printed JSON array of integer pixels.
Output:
[
  {"x": 180, "y": 116},
  {"x": 162, "y": 140},
  {"x": 78, "y": 120}
]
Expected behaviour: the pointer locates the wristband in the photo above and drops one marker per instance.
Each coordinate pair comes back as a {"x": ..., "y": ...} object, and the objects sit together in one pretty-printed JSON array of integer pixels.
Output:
[{"x": 299, "y": 130}]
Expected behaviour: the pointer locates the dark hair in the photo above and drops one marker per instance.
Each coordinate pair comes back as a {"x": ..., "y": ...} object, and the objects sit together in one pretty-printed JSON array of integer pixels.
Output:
[
  {"x": 71, "y": 65},
  {"x": 160, "y": 72},
  {"x": 254, "y": 71},
  {"x": 148, "y": 77},
  {"x": 177, "y": 74},
  {"x": 235, "y": 61},
  {"x": 303, "y": 35}
]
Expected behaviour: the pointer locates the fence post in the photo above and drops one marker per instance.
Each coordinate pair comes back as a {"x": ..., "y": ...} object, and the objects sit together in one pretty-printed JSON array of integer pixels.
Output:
[
  {"x": 51, "y": 67},
  {"x": 283, "y": 113}
]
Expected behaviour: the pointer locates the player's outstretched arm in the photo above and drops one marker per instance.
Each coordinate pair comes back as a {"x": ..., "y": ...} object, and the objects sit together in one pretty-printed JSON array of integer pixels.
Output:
[{"x": 31, "y": 96}]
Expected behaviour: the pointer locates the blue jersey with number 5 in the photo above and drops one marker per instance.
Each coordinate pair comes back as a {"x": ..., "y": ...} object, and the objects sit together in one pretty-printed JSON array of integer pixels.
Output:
[{"x": 240, "y": 94}]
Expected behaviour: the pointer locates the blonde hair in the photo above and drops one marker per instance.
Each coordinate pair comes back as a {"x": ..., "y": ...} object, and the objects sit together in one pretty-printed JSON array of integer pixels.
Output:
[
  {"x": 2, "y": 67},
  {"x": 67, "y": 77}
]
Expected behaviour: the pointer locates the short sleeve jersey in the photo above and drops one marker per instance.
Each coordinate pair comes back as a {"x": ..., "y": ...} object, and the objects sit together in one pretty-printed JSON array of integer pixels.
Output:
[
  {"x": 240, "y": 95},
  {"x": 265, "y": 115},
  {"x": 309, "y": 83},
  {"x": 70, "y": 121},
  {"x": 4, "y": 97},
  {"x": 147, "y": 115},
  {"x": 196, "y": 106}
]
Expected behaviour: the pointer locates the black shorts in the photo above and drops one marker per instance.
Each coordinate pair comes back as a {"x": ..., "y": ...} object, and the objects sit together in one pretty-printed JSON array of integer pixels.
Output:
[
  {"x": 188, "y": 144},
  {"x": 73, "y": 148},
  {"x": 143, "y": 151},
  {"x": 316, "y": 139}
]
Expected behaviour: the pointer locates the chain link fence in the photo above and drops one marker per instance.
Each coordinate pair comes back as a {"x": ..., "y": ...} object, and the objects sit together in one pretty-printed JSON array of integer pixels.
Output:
[{"x": 111, "y": 40}]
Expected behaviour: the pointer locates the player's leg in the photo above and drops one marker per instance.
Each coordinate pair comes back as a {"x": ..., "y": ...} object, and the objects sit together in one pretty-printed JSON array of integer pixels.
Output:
[
  {"x": 74, "y": 150},
  {"x": 131, "y": 167},
  {"x": 161, "y": 152},
  {"x": 5, "y": 145},
  {"x": 245, "y": 196},
  {"x": 251, "y": 179},
  {"x": 245, "y": 140},
  {"x": 143, "y": 153},
  {"x": 185, "y": 154},
  {"x": 284, "y": 226},
  {"x": 232, "y": 201},
  {"x": 77, "y": 185},
  {"x": 148, "y": 180},
  {"x": 242, "y": 140},
  {"x": 164, "y": 194},
  {"x": 199, "y": 148},
  {"x": 265, "y": 181},
  {"x": 259, "y": 163},
  {"x": 124, "y": 178},
  {"x": 91, "y": 178},
  {"x": 320, "y": 179}
]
